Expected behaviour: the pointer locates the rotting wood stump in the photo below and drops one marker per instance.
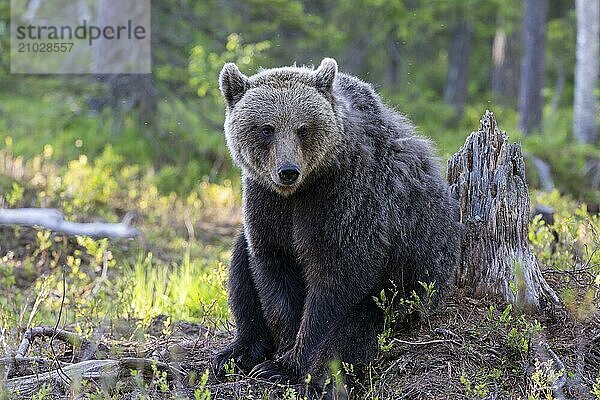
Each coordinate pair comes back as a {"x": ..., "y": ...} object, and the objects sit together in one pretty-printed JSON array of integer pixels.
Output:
[{"x": 487, "y": 176}]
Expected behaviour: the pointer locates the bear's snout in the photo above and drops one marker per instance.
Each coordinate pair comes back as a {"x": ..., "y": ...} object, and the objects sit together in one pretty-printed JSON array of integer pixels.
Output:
[{"x": 288, "y": 174}]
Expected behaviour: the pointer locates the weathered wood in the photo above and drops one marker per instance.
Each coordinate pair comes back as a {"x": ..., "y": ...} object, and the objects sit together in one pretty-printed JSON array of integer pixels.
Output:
[
  {"x": 54, "y": 220},
  {"x": 487, "y": 176},
  {"x": 101, "y": 371}
]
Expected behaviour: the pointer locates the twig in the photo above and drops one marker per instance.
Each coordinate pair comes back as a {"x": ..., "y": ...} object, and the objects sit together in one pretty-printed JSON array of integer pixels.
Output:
[
  {"x": 259, "y": 380},
  {"x": 447, "y": 332},
  {"x": 103, "y": 275},
  {"x": 435, "y": 341},
  {"x": 54, "y": 220},
  {"x": 68, "y": 337},
  {"x": 61, "y": 373}
]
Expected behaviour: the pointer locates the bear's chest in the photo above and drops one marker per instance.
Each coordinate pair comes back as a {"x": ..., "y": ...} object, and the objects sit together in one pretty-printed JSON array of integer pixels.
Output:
[
  {"x": 268, "y": 222},
  {"x": 310, "y": 228}
]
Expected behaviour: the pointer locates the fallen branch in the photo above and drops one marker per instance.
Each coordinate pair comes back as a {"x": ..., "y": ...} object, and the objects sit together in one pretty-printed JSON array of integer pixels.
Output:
[
  {"x": 544, "y": 353},
  {"x": 428, "y": 342},
  {"x": 65, "y": 336},
  {"x": 105, "y": 371},
  {"x": 54, "y": 220}
]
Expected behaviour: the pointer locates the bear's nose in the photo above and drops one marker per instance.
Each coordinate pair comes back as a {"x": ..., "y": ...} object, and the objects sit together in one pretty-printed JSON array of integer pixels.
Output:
[{"x": 288, "y": 174}]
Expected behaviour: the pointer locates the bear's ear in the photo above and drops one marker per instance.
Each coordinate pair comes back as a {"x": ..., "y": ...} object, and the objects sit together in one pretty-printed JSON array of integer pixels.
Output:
[
  {"x": 325, "y": 75},
  {"x": 233, "y": 83}
]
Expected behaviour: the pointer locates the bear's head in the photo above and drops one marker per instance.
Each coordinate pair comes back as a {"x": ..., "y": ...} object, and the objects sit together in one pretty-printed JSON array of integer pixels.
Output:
[{"x": 282, "y": 124}]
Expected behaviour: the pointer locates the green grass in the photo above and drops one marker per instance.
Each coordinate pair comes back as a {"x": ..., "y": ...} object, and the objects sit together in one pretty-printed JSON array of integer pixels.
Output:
[
  {"x": 160, "y": 273},
  {"x": 191, "y": 290}
]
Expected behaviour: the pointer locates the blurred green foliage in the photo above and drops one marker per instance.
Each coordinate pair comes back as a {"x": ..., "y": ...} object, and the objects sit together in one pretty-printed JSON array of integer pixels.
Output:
[
  {"x": 402, "y": 47},
  {"x": 121, "y": 280}
]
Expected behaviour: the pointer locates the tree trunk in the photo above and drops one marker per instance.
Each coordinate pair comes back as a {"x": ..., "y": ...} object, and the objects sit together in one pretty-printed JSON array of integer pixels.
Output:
[
  {"x": 533, "y": 67},
  {"x": 393, "y": 59},
  {"x": 559, "y": 86},
  {"x": 487, "y": 176},
  {"x": 457, "y": 78},
  {"x": 505, "y": 72},
  {"x": 126, "y": 91},
  {"x": 585, "y": 108}
]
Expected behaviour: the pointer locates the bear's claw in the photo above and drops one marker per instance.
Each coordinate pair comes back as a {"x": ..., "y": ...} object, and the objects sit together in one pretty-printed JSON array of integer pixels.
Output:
[
  {"x": 274, "y": 371},
  {"x": 244, "y": 358}
]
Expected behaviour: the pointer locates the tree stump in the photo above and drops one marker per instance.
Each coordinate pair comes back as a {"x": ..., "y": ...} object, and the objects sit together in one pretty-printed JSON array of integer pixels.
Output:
[{"x": 487, "y": 177}]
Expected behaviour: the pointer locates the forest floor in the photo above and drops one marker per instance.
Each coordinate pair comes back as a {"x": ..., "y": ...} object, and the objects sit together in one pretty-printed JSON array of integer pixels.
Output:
[{"x": 467, "y": 350}]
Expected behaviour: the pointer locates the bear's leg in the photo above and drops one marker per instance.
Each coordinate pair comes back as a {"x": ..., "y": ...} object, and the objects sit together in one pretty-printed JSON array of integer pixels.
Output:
[
  {"x": 329, "y": 298},
  {"x": 281, "y": 290},
  {"x": 352, "y": 340},
  {"x": 435, "y": 263},
  {"x": 252, "y": 342}
]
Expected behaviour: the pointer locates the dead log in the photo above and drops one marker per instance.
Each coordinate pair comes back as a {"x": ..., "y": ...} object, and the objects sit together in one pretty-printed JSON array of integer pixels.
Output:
[
  {"x": 106, "y": 372},
  {"x": 487, "y": 176},
  {"x": 54, "y": 220}
]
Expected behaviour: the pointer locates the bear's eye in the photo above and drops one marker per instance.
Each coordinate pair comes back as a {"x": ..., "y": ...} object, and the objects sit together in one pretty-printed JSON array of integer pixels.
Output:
[
  {"x": 302, "y": 132},
  {"x": 267, "y": 131}
]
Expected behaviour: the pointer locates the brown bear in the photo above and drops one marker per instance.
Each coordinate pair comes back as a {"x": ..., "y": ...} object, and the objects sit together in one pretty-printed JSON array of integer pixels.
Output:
[{"x": 341, "y": 200}]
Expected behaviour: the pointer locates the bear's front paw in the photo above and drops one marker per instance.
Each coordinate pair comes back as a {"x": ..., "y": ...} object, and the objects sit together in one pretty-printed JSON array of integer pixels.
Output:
[
  {"x": 244, "y": 356},
  {"x": 284, "y": 369}
]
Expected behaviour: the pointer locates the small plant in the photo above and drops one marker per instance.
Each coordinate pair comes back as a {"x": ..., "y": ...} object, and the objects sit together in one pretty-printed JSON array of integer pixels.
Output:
[
  {"x": 337, "y": 375},
  {"x": 15, "y": 196},
  {"x": 542, "y": 380},
  {"x": 390, "y": 316},
  {"x": 138, "y": 379},
  {"x": 290, "y": 394},
  {"x": 159, "y": 379},
  {"x": 202, "y": 392},
  {"x": 519, "y": 331},
  {"x": 596, "y": 388},
  {"x": 473, "y": 389},
  {"x": 348, "y": 369},
  {"x": 394, "y": 308},
  {"x": 99, "y": 394},
  {"x": 42, "y": 393},
  {"x": 230, "y": 369}
]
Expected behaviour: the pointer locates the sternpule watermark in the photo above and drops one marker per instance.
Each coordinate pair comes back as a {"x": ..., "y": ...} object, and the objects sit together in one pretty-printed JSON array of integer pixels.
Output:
[{"x": 80, "y": 36}]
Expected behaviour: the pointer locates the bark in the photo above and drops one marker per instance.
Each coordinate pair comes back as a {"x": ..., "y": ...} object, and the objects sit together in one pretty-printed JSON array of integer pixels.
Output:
[
  {"x": 533, "y": 67},
  {"x": 585, "y": 107},
  {"x": 487, "y": 176},
  {"x": 457, "y": 78},
  {"x": 105, "y": 372}
]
